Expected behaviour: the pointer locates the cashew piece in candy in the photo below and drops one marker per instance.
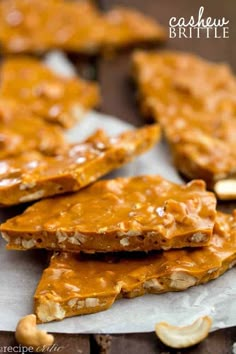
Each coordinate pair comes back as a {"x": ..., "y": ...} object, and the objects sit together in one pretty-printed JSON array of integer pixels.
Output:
[
  {"x": 184, "y": 337},
  {"x": 29, "y": 335}
]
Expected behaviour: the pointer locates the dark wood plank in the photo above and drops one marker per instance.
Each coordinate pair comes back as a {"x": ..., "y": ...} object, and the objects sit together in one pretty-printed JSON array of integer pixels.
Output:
[
  {"x": 219, "y": 342},
  {"x": 6, "y": 339},
  {"x": 85, "y": 66},
  {"x": 118, "y": 96},
  {"x": 64, "y": 343},
  {"x": 73, "y": 343}
]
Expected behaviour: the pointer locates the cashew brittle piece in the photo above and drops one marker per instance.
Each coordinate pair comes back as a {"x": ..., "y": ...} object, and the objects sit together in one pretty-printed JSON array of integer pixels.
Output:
[
  {"x": 131, "y": 219},
  {"x": 25, "y": 27},
  {"x": 50, "y": 96},
  {"x": 194, "y": 102},
  {"x": 33, "y": 175},
  {"x": 29, "y": 335},
  {"x": 184, "y": 337},
  {"x": 78, "y": 284}
]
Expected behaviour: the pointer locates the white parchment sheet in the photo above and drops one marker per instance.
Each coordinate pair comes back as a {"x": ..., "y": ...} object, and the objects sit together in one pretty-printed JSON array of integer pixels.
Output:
[{"x": 21, "y": 271}]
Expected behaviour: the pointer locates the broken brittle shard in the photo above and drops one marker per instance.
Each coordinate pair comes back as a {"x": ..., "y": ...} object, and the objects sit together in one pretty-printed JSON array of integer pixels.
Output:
[
  {"x": 52, "y": 97},
  {"x": 22, "y": 130},
  {"x": 126, "y": 27},
  {"x": 195, "y": 101},
  {"x": 32, "y": 175},
  {"x": 32, "y": 26},
  {"x": 124, "y": 214},
  {"x": 76, "y": 284}
]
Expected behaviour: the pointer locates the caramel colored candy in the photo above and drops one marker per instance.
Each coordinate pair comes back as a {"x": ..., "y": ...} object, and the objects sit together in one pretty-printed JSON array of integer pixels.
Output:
[
  {"x": 21, "y": 130},
  {"x": 126, "y": 27},
  {"x": 76, "y": 284},
  {"x": 133, "y": 214},
  {"x": 48, "y": 95},
  {"x": 202, "y": 145},
  {"x": 38, "y": 26},
  {"x": 33, "y": 176},
  {"x": 195, "y": 103}
]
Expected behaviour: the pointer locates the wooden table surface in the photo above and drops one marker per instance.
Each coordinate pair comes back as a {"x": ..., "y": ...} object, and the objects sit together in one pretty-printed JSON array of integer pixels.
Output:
[{"x": 119, "y": 100}]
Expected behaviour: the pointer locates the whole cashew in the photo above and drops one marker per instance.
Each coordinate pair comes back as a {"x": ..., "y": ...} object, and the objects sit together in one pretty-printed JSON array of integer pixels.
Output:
[
  {"x": 184, "y": 337},
  {"x": 29, "y": 335}
]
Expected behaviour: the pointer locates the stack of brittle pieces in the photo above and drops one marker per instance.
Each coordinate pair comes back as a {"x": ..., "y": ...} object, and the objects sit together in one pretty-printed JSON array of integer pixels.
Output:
[{"x": 111, "y": 238}]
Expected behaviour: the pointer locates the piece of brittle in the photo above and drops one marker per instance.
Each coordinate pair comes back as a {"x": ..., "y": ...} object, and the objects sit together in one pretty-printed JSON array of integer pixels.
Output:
[
  {"x": 195, "y": 103},
  {"x": 33, "y": 176},
  {"x": 34, "y": 26},
  {"x": 77, "y": 26},
  {"x": 126, "y": 27},
  {"x": 48, "y": 95},
  {"x": 132, "y": 214},
  {"x": 22, "y": 130},
  {"x": 202, "y": 146},
  {"x": 76, "y": 284}
]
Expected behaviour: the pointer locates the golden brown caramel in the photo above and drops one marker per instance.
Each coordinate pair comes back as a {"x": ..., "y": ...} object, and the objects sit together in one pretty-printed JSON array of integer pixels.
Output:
[
  {"x": 76, "y": 284},
  {"x": 21, "y": 130},
  {"x": 126, "y": 27},
  {"x": 202, "y": 145},
  {"x": 195, "y": 103},
  {"x": 37, "y": 26},
  {"x": 48, "y": 95},
  {"x": 33, "y": 176},
  {"x": 137, "y": 213}
]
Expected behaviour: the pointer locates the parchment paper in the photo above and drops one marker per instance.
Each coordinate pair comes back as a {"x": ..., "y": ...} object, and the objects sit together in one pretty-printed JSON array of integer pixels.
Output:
[{"x": 21, "y": 271}]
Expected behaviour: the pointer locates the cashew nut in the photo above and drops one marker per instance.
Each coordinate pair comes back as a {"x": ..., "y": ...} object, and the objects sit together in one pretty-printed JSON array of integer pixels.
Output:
[
  {"x": 181, "y": 280},
  {"x": 184, "y": 337},
  {"x": 29, "y": 335},
  {"x": 225, "y": 189}
]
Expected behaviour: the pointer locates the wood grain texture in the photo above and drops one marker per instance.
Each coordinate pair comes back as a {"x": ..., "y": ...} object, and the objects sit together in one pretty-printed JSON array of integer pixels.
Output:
[
  {"x": 64, "y": 343},
  {"x": 219, "y": 342}
]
